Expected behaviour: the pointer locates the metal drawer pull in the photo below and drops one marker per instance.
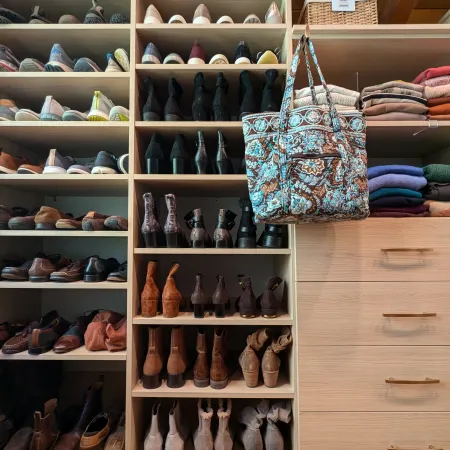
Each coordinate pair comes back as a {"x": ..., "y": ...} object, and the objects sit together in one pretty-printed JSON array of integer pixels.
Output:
[
  {"x": 427, "y": 380},
  {"x": 410, "y": 314},
  {"x": 398, "y": 250},
  {"x": 430, "y": 447}
]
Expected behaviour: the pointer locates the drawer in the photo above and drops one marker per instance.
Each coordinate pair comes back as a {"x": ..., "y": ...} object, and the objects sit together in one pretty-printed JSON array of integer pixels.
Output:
[
  {"x": 360, "y": 313},
  {"x": 374, "y": 431},
  {"x": 374, "y": 250},
  {"x": 353, "y": 378}
]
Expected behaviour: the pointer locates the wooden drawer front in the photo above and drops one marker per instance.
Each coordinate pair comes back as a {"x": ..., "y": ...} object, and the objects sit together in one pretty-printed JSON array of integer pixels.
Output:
[
  {"x": 353, "y": 378},
  {"x": 374, "y": 250},
  {"x": 374, "y": 431},
  {"x": 352, "y": 313}
]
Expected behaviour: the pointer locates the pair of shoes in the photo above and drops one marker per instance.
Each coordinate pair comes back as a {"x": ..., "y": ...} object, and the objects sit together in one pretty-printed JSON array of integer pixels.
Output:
[
  {"x": 152, "y": 110},
  {"x": 93, "y": 221},
  {"x": 219, "y": 299},
  {"x": 107, "y": 331},
  {"x": 243, "y": 55},
  {"x": 95, "y": 15}
]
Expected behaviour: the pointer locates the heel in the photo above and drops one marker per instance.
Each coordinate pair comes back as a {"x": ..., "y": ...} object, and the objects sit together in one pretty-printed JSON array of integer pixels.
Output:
[
  {"x": 173, "y": 240},
  {"x": 172, "y": 118},
  {"x": 272, "y": 242},
  {"x": 200, "y": 166},
  {"x": 199, "y": 114},
  {"x": 246, "y": 242},
  {"x": 221, "y": 116},
  {"x": 223, "y": 167},
  {"x": 251, "y": 378},
  {"x": 222, "y": 244},
  {"x": 175, "y": 381},
  {"x": 199, "y": 311},
  {"x": 270, "y": 379},
  {"x": 201, "y": 383},
  {"x": 178, "y": 166},
  {"x": 150, "y": 239},
  {"x": 153, "y": 166},
  {"x": 219, "y": 311},
  {"x": 151, "y": 381},
  {"x": 92, "y": 278},
  {"x": 151, "y": 117},
  {"x": 198, "y": 244},
  {"x": 45, "y": 226}
]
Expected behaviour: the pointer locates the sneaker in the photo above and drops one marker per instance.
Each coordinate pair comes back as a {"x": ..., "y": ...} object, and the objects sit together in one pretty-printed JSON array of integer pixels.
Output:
[
  {"x": 57, "y": 163},
  {"x": 201, "y": 15},
  {"x": 112, "y": 64},
  {"x": 68, "y": 19},
  {"x": 225, "y": 19},
  {"x": 12, "y": 16},
  {"x": 95, "y": 14},
  {"x": 122, "y": 163},
  {"x": 8, "y": 62},
  {"x": 173, "y": 58},
  {"x": 252, "y": 18},
  {"x": 269, "y": 57},
  {"x": 30, "y": 169},
  {"x": 219, "y": 59},
  {"x": 197, "y": 55},
  {"x": 122, "y": 58},
  {"x": 86, "y": 65},
  {"x": 8, "y": 109},
  {"x": 151, "y": 55},
  {"x": 152, "y": 15},
  {"x": 9, "y": 163},
  {"x": 31, "y": 65},
  {"x": 72, "y": 115},
  {"x": 119, "y": 114},
  {"x": 242, "y": 54},
  {"x": 51, "y": 110},
  {"x": 38, "y": 16},
  {"x": 101, "y": 107},
  {"x": 59, "y": 61},
  {"x": 177, "y": 18},
  {"x": 82, "y": 168},
  {"x": 27, "y": 115},
  {"x": 273, "y": 15},
  {"x": 105, "y": 164},
  {"x": 119, "y": 18}
]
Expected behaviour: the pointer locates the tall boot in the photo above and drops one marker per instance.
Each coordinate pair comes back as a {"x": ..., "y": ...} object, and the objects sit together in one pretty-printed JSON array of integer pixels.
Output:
[
  {"x": 246, "y": 303},
  {"x": 249, "y": 360},
  {"x": 154, "y": 439},
  {"x": 201, "y": 109},
  {"x": 268, "y": 301},
  {"x": 180, "y": 160},
  {"x": 225, "y": 223},
  {"x": 273, "y": 236},
  {"x": 198, "y": 298},
  {"x": 201, "y": 160},
  {"x": 178, "y": 433},
  {"x": 199, "y": 236},
  {"x": 271, "y": 361},
  {"x": 175, "y": 237},
  {"x": 253, "y": 419},
  {"x": 203, "y": 439},
  {"x": 154, "y": 360},
  {"x": 176, "y": 364},
  {"x": 151, "y": 229},
  {"x": 220, "y": 297},
  {"x": 247, "y": 98},
  {"x": 155, "y": 160},
  {"x": 279, "y": 412},
  {"x": 172, "y": 110},
  {"x": 46, "y": 429},
  {"x": 152, "y": 108},
  {"x": 221, "y": 111},
  {"x": 246, "y": 237},
  {"x": 269, "y": 100},
  {"x": 219, "y": 371},
  {"x": 224, "y": 166},
  {"x": 224, "y": 437},
  {"x": 201, "y": 366},
  {"x": 150, "y": 294},
  {"x": 171, "y": 296}
]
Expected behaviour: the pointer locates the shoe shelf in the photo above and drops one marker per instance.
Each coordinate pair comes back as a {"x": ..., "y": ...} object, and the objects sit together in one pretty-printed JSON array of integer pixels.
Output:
[
  {"x": 103, "y": 285},
  {"x": 190, "y": 128},
  {"x": 212, "y": 251},
  {"x": 61, "y": 233}
]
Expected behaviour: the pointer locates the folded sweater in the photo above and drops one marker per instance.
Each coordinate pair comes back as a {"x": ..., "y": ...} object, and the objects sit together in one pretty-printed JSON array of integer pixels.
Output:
[
  {"x": 437, "y": 191},
  {"x": 438, "y": 173},
  {"x": 406, "y": 209},
  {"x": 395, "y": 90},
  {"x": 397, "y": 202},
  {"x": 376, "y": 171},
  {"x": 439, "y": 110},
  {"x": 397, "y": 116},
  {"x": 412, "y": 108},
  {"x": 397, "y": 180},
  {"x": 438, "y": 81},
  {"x": 438, "y": 101},
  {"x": 306, "y": 92},
  {"x": 439, "y": 117},
  {"x": 338, "y": 99},
  {"x": 438, "y": 209},
  {"x": 436, "y": 92},
  {"x": 432, "y": 73},
  {"x": 393, "y": 192},
  {"x": 390, "y": 84},
  {"x": 397, "y": 214}
]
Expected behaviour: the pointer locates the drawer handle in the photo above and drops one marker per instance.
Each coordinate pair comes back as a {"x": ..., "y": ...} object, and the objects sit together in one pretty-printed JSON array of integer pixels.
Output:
[
  {"x": 427, "y": 380},
  {"x": 410, "y": 314},
  {"x": 430, "y": 447},
  {"x": 398, "y": 250}
]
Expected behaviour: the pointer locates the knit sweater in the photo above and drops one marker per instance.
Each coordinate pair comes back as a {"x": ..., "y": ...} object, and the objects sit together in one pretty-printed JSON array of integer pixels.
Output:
[
  {"x": 432, "y": 73},
  {"x": 412, "y": 108},
  {"x": 391, "y": 84},
  {"x": 396, "y": 202},
  {"x": 338, "y": 99},
  {"x": 438, "y": 81},
  {"x": 377, "y": 171},
  {"x": 397, "y": 116},
  {"x": 438, "y": 209},
  {"x": 438, "y": 173},
  {"x": 437, "y": 191},
  {"x": 306, "y": 92},
  {"x": 393, "y": 192},
  {"x": 397, "y": 180},
  {"x": 436, "y": 92}
]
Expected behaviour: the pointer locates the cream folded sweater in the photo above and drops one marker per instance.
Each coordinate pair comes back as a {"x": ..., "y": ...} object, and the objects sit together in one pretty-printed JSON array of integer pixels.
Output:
[
  {"x": 306, "y": 92},
  {"x": 392, "y": 84},
  {"x": 338, "y": 99}
]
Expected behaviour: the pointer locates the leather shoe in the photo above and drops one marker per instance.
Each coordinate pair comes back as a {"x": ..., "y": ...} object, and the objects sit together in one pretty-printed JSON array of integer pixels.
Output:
[
  {"x": 98, "y": 269},
  {"x": 95, "y": 335},
  {"x": 72, "y": 272},
  {"x": 42, "y": 268},
  {"x": 21, "y": 439},
  {"x": 96, "y": 432},
  {"x": 119, "y": 275},
  {"x": 117, "y": 336},
  {"x": 19, "y": 273},
  {"x": 42, "y": 340}
]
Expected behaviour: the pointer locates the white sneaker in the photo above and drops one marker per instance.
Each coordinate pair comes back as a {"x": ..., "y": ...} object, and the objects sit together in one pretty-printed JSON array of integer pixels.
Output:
[
  {"x": 219, "y": 59},
  {"x": 27, "y": 115},
  {"x": 152, "y": 15},
  {"x": 51, "y": 110},
  {"x": 119, "y": 114},
  {"x": 101, "y": 107},
  {"x": 177, "y": 19},
  {"x": 225, "y": 19},
  {"x": 113, "y": 66},
  {"x": 252, "y": 18},
  {"x": 173, "y": 58}
]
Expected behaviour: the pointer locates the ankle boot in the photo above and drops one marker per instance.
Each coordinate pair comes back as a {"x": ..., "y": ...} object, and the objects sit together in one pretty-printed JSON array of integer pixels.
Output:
[
  {"x": 152, "y": 108},
  {"x": 201, "y": 109},
  {"x": 155, "y": 159},
  {"x": 151, "y": 229},
  {"x": 180, "y": 160},
  {"x": 246, "y": 302},
  {"x": 247, "y": 98},
  {"x": 279, "y": 412},
  {"x": 199, "y": 236},
  {"x": 249, "y": 360},
  {"x": 46, "y": 430},
  {"x": 273, "y": 236},
  {"x": 224, "y": 166},
  {"x": 224, "y": 436},
  {"x": 154, "y": 439},
  {"x": 268, "y": 301},
  {"x": 174, "y": 234},
  {"x": 253, "y": 419},
  {"x": 225, "y": 223},
  {"x": 219, "y": 371},
  {"x": 198, "y": 298},
  {"x": 150, "y": 294},
  {"x": 153, "y": 364},
  {"x": 246, "y": 237},
  {"x": 203, "y": 439},
  {"x": 178, "y": 433},
  {"x": 201, "y": 366},
  {"x": 176, "y": 364},
  {"x": 171, "y": 296},
  {"x": 172, "y": 110},
  {"x": 271, "y": 362},
  {"x": 220, "y": 103},
  {"x": 220, "y": 297},
  {"x": 201, "y": 159},
  {"x": 269, "y": 101}
]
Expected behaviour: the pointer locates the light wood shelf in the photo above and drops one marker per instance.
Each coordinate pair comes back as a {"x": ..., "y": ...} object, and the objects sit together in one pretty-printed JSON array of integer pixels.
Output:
[
  {"x": 63, "y": 233},
  {"x": 212, "y": 251},
  {"x": 76, "y": 285}
]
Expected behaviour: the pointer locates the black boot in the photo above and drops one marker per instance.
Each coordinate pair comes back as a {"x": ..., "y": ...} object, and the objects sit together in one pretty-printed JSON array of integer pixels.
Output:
[
  {"x": 220, "y": 104},
  {"x": 172, "y": 110},
  {"x": 224, "y": 165},
  {"x": 199, "y": 237},
  {"x": 273, "y": 236},
  {"x": 201, "y": 159},
  {"x": 154, "y": 156},
  {"x": 225, "y": 223},
  {"x": 246, "y": 237},
  {"x": 179, "y": 158},
  {"x": 201, "y": 108},
  {"x": 270, "y": 101},
  {"x": 247, "y": 98},
  {"x": 152, "y": 108}
]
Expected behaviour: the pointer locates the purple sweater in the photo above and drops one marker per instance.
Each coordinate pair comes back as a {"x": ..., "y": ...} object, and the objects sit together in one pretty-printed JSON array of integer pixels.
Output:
[
  {"x": 377, "y": 171},
  {"x": 395, "y": 180}
]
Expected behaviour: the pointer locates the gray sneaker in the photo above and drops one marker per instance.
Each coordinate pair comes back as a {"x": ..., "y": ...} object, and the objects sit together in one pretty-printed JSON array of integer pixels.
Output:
[
  {"x": 59, "y": 61},
  {"x": 86, "y": 65},
  {"x": 8, "y": 62},
  {"x": 72, "y": 115},
  {"x": 52, "y": 110},
  {"x": 8, "y": 109},
  {"x": 38, "y": 16},
  {"x": 82, "y": 168},
  {"x": 56, "y": 163},
  {"x": 31, "y": 65},
  {"x": 95, "y": 14},
  {"x": 101, "y": 107}
]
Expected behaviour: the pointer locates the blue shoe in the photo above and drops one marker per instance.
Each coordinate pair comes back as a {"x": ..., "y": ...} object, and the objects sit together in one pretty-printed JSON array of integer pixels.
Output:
[
  {"x": 95, "y": 14},
  {"x": 151, "y": 55},
  {"x": 86, "y": 65},
  {"x": 59, "y": 61},
  {"x": 11, "y": 16}
]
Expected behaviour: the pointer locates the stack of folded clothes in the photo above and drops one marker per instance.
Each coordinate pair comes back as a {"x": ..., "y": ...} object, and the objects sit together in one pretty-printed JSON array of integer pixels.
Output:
[
  {"x": 394, "y": 191},
  {"x": 394, "y": 100},
  {"x": 437, "y": 191},
  {"x": 343, "y": 99}
]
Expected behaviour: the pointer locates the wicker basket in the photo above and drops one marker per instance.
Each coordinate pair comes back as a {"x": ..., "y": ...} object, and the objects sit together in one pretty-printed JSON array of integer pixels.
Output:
[{"x": 320, "y": 13}]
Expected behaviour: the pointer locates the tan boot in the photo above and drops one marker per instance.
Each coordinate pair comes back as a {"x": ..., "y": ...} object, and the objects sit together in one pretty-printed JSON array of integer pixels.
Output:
[
  {"x": 249, "y": 359},
  {"x": 203, "y": 439},
  {"x": 46, "y": 430},
  {"x": 176, "y": 364},
  {"x": 171, "y": 296},
  {"x": 150, "y": 293},
  {"x": 154, "y": 361},
  {"x": 219, "y": 370},
  {"x": 224, "y": 437},
  {"x": 201, "y": 367}
]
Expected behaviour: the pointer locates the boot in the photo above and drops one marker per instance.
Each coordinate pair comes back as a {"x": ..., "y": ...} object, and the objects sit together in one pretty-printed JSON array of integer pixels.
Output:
[
  {"x": 154, "y": 439},
  {"x": 46, "y": 430},
  {"x": 198, "y": 298},
  {"x": 155, "y": 159},
  {"x": 269, "y": 101},
  {"x": 178, "y": 433},
  {"x": 225, "y": 223},
  {"x": 220, "y": 297},
  {"x": 201, "y": 159},
  {"x": 203, "y": 439},
  {"x": 249, "y": 360},
  {"x": 246, "y": 237},
  {"x": 247, "y": 98},
  {"x": 219, "y": 371},
  {"x": 253, "y": 419},
  {"x": 172, "y": 110},
  {"x": 176, "y": 364},
  {"x": 201, "y": 109},
  {"x": 150, "y": 294},
  {"x": 271, "y": 362},
  {"x": 280, "y": 412},
  {"x": 273, "y": 236},
  {"x": 246, "y": 303},
  {"x": 224, "y": 166},
  {"x": 152, "y": 108},
  {"x": 151, "y": 229},
  {"x": 269, "y": 303},
  {"x": 174, "y": 234},
  {"x": 201, "y": 366},
  {"x": 221, "y": 111},
  {"x": 154, "y": 360},
  {"x": 180, "y": 160},
  {"x": 199, "y": 236},
  {"x": 171, "y": 296},
  {"x": 224, "y": 436}
]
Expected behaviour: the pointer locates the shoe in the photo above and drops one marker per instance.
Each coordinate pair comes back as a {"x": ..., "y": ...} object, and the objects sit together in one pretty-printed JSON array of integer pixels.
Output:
[
  {"x": 201, "y": 15},
  {"x": 199, "y": 237},
  {"x": 201, "y": 366},
  {"x": 70, "y": 273},
  {"x": 225, "y": 19},
  {"x": 122, "y": 163},
  {"x": 116, "y": 340},
  {"x": 42, "y": 268},
  {"x": 269, "y": 57},
  {"x": 101, "y": 107},
  {"x": 51, "y": 110},
  {"x": 27, "y": 115},
  {"x": 219, "y": 59},
  {"x": 178, "y": 433},
  {"x": 119, "y": 114},
  {"x": 173, "y": 58},
  {"x": 219, "y": 371},
  {"x": 203, "y": 439},
  {"x": 154, "y": 156},
  {"x": 224, "y": 166},
  {"x": 179, "y": 157},
  {"x": 70, "y": 224},
  {"x": 116, "y": 223},
  {"x": 197, "y": 55},
  {"x": 249, "y": 360},
  {"x": 247, "y": 97},
  {"x": 31, "y": 65},
  {"x": 116, "y": 440},
  {"x": 271, "y": 362},
  {"x": 246, "y": 302},
  {"x": 98, "y": 269},
  {"x": 152, "y": 15},
  {"x": 95, "y": 14},
  {"x": 112, "y": 65},
  {"x": 252, "y": 18},
  {"x": 6, "y": 214},
  {"x": 198, "y": 298},
  {"x": 19, "y": 273},
  {"x": 46, "y": 431},
  {"x": 122, "y": 58},
  {"x": 56, "y": 163},
  {"x": 68, "y": 19},
  {"x": 269, "y": 100},
  {"x": 177, "y": 19},
  {"x": 268, "y": 301},
  {"x": 153, "y": 439},
  {"x": 151, "y": 229},
  {"x": 242, "y": 54},
  {"x": 86, "y": 65},
  {"x": 23, "y": 223},
  {"x": 38, "y": 16},
  {"x": 246, "y": 236},
  {"x": 201, "y": 107},
  {"x": 176, "y": 363},
  {"x": 47, "y": 217},
  {"x": 225, "y": 223},
  {"x": 105, "y": 164},
  {"x": 31, "y": 169},
  {"x": 11, "y": 16},
  {"x": 72, "y": 115},
  {"x": 21, "y": 438},
  {"x": 273, "y": 15},
  {"x": 220, "y": 108},
  {"x": 151, "y": 55},
  {"x": 224, "y": 437},
  {"x": 119, "y": 18},
  {"x": 279, "y": 412},
  {"x": 220, "y": 298},
  {"x": 253, "y": 419},
  {"x": 82, "y": 169},
  {"x": 59, "y": 61},
  {"x": 273, "y": 236},
  {"x": 150, "y": 294},
  {"x": 95, "y": 336},
  {"x": 151, "y": 376},
  {"x": 119, "y": 275},
  {"x": 172, "y": 110},
  {"x": 42, "y": 340},
  {"x": 201, "y": 160},
  {"x": 152, "y": 108},
  {"x": 8, "y": 62},
  {"x": 93, "y": 221},
  {"x": 96, "y": 432},
  {"x": 171, "y": 296},
  {"x": 174, "y": 234},
  {"x": 8, "y": 110},
  {"x": 8, "y": 163}
]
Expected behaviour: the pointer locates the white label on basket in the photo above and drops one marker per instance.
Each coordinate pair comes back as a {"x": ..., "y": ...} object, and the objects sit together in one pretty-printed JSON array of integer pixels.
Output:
[{"x": 343, "y": 5}]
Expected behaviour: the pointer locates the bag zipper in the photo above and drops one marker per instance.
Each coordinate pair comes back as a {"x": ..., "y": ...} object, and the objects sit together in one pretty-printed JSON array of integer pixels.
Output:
[{"x": 296, "y": 156}]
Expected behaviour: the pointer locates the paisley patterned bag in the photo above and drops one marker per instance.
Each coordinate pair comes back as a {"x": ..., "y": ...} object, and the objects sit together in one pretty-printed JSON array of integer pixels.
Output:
[{"x": 308, "y": 164}]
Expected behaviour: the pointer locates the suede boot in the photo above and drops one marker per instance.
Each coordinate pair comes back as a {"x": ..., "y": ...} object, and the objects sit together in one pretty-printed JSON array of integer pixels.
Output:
[
  {"x": 271, "y": 362},
  {"x": 198, "y": 297},
  {"x": 219, "y": 371},
  {"x": 175, "y": 237},
  {"x": 46, "y": 429},
  {"x": 178, "y": 433},
  {"x": 176, "y": 364},
  {"x": 201, "y": 366},
  {"x": 220, "y": 297},
  {"x": 150, "y": 294},
  {"x": 249, "y": 360},
  {"x": 203, "y": 439},
  {"x": 155, "y": 159},
  {"x": 225, "y": 223},
  {"x": 199, "y": 236},
  {"x": 221, "y": 111},
  {"x": 180, "y": 160},
  {"x": 246, "y": 303},
  {"x": 247, "y": 98},
  {"x": 154, "y": 439},
  {"x": 246, "y": 237},
  {"x": 268, "y": 301},
  {"x": 224, "y": 437},
  {"x": 172, "y": 110},
  {"x": 273, "y": 236},
  {"x": 152, "y": 108},
  {"x": 154, "y": 360},
  {"x": 270, "y": 101},
  {"x": 151, "y": 229},
  {"x": 201, "y": 108},
  {"x": 201, "y": 160},
  {"x": 224, "y": 166},
  {"x": 279, "y": 412},
  {"x": 171, "y": 296},
  {"x": 253, "y": 419}
]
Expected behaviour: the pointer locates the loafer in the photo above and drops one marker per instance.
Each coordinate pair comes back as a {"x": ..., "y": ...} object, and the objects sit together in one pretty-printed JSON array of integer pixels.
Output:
[
  {"x": 116, "y": 223},
  {"x": 94, "y": 221},
  {"x": 70, "y": 273},
  {"x": 96, "y": 432},
  {"x": 42, "y": 340},
  {"x": 42, "y": 268},
  {"x": 119, "y": 275},
  {"x": 98, "y": 269},
  {"x": 23, "y": 223}
]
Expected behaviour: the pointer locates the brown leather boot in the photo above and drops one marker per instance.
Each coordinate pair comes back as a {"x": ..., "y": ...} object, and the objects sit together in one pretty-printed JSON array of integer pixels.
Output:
[
  {"x": 176, "y": 364},
  {"x": 222, "y": 235},
  {"x": 249, "y": 359},
  {"x": 199, "y": 236},
  {"x": 46, "y": 430},
  {"x": 198, "y": 297},
  {"x": 150, "y": 293},
  {"x": 269, "y": 303},
  {"x": 154, "y": 360},
  {"x": 219, "y": 370},
  {"x": 171, "y": 296},
  {"x": 220, "y": 297},
  {"x": 246, "y": 303},
  {"x": 201, "y": 367}
]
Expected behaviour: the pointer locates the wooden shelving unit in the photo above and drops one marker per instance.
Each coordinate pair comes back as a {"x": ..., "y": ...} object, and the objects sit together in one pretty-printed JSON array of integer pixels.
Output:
[{"x": 79, "y": 354}]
